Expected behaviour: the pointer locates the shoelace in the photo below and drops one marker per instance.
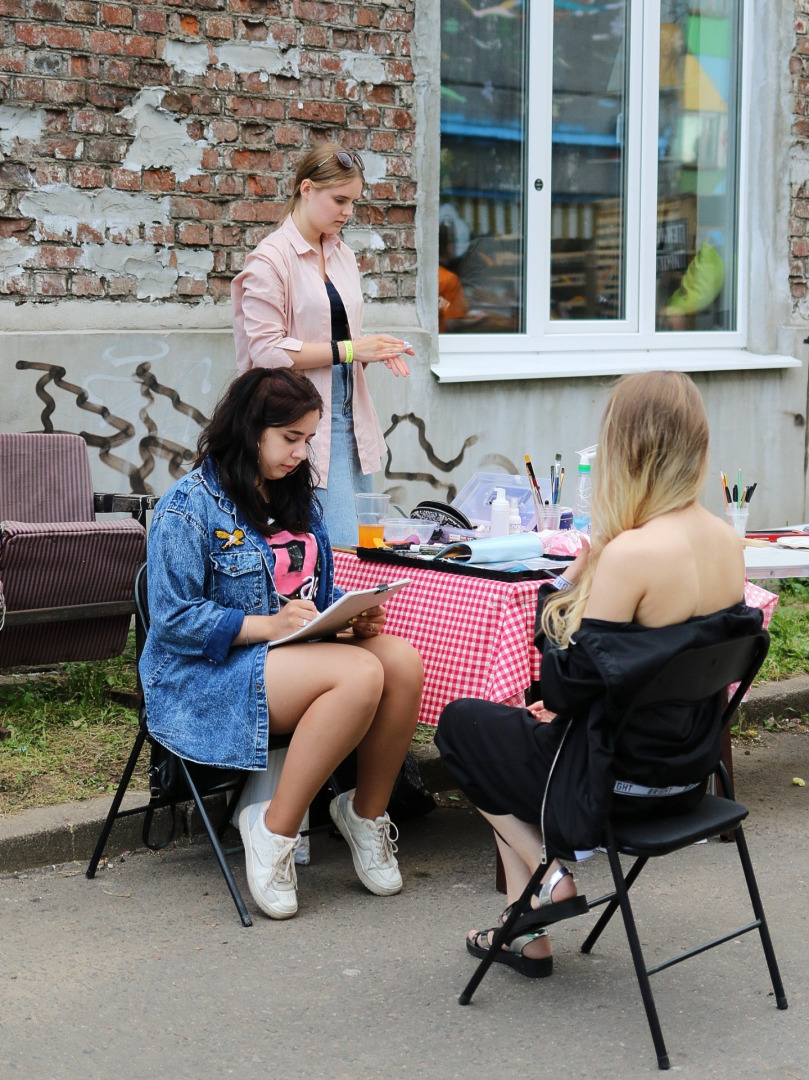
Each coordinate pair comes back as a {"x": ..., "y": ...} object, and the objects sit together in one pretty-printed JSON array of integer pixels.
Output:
[
  {"x": 387, "y": 843},
  {"x": 283, "y": 869}
]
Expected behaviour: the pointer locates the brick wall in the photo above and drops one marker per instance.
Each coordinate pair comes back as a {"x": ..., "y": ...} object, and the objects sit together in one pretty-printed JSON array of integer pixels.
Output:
[{"x": 146, "y": 148}]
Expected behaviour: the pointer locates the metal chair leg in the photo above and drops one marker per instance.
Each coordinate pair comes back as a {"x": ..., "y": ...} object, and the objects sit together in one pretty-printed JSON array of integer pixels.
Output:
[
  {"x": 522, "y": 905},
  {"x": 116, "y": 802},
  {"x": 758, "y": 909},
  {"x": 637, "y": 954},
  {"x": 217, "y": 847}
]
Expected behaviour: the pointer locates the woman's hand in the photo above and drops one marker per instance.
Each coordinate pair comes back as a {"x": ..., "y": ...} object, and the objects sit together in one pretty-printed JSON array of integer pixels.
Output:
[
  {"x": 540, "y": 713},
  {"x": 369, "y": 623},
  {"x": 574, "y": 571},
  {"x": 382, "y": 348},
  {"x": 291, "y": 618}
]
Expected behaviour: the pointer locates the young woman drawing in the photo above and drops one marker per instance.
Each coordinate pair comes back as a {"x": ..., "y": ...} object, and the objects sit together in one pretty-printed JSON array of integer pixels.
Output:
[{"x": 237, "y": 558}]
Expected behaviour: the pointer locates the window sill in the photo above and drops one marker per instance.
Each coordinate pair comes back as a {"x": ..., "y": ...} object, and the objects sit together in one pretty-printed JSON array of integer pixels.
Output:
[{"x": 457, "y": 367}]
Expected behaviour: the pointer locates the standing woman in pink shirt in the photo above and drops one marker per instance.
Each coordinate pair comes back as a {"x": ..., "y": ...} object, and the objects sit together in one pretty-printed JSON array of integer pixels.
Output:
[{"x": 298, "y": 303}]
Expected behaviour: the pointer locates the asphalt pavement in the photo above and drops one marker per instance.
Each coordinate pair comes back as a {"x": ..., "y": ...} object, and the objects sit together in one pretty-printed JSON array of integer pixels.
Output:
[{"x": 145, "y": 973}]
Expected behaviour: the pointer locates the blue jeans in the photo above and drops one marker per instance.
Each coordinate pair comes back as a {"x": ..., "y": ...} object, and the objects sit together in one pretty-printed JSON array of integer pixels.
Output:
[{"x": 345, "y": 473}]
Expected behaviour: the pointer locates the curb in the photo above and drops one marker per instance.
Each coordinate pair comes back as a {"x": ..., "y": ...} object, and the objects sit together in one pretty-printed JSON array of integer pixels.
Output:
[{"x": 68, "y": 833}]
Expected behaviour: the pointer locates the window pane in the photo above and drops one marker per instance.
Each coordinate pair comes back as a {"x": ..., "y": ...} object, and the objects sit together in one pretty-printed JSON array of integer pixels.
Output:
[
  {"x": 483, "y": 107},
  {"x": 588, "y": 197},
  {"x": 697, "y": 170}
]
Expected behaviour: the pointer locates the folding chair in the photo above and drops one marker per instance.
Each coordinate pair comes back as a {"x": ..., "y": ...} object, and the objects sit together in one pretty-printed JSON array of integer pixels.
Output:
[
  {"x": 692, "y": 676},
  {"x": 199, "y": 781}
]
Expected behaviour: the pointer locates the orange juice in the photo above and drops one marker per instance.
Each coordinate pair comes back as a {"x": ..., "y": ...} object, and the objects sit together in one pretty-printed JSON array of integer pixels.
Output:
[{"x": 371, "y": 535}]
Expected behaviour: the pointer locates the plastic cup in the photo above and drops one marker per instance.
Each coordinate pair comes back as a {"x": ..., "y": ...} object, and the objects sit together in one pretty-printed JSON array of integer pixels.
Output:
[
  {"x": 737, "y": 516},
  {"x": 372, "y": 509},
  {"x": 551, "y": 517}
]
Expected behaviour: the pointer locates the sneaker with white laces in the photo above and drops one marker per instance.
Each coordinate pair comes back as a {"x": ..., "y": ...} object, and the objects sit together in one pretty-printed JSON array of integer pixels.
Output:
[
  {"x": 373, "y": 848},
  {"x": 270, "y": 860}
]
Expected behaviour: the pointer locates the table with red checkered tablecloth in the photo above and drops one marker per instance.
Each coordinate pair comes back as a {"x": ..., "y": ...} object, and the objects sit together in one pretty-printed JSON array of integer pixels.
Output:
[{"x": 474, "y": 635}]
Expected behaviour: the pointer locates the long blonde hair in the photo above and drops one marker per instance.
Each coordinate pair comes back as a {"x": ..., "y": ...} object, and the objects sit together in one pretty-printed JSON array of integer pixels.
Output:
[
  {"x": 320, "y": 165},
  {"x": 652, "y": 458}
]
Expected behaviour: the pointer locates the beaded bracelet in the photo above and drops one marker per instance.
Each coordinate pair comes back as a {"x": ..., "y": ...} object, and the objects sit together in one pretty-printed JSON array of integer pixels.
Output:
[
  {"x": 335, "y": 353},
  {"x": 247, "y": 629}
]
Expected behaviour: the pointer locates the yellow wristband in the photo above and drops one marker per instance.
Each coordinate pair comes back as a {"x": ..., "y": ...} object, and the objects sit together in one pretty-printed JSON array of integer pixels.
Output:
[{"x": 349, "y": 353}]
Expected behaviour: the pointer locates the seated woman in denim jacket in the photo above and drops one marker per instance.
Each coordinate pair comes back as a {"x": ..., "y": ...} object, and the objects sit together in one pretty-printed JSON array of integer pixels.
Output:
[
  {"x": 662, "y": 575},
  {"x": 238, "y": 557}
]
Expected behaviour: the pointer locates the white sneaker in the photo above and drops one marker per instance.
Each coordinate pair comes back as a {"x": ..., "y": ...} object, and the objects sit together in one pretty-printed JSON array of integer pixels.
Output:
[
  {"x": 270, "y": 861},
  {"x": 373, "y": 849}
]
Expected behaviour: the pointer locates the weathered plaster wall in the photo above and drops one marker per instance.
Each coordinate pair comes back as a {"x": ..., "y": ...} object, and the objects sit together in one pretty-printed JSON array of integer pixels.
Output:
[{"x": 144, "y": 149}]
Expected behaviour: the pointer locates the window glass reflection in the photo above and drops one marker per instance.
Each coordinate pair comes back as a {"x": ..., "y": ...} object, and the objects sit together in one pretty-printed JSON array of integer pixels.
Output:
[
  {"x": 696, "y": 205},
  {"x": 588, "y": 167},
  {"x": 483, "y": 118}
]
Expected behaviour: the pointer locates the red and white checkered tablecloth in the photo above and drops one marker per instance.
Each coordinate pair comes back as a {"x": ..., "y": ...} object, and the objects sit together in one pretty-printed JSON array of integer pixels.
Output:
[{"x": 474, "y": 635}]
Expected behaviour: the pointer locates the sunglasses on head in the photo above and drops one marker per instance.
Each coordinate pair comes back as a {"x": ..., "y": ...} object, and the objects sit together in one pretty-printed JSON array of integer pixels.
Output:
[{"x": 348, "y": 161}]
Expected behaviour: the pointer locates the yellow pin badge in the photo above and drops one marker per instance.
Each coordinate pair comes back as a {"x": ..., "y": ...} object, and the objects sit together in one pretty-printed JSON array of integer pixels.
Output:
[{"x": 232, "y": 539}]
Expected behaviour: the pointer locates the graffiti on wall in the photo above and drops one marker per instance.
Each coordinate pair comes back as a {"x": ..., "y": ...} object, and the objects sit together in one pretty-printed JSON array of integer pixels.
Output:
[
  {"x": 137, "y": 426},
  {"x": 148, "y": 446}
]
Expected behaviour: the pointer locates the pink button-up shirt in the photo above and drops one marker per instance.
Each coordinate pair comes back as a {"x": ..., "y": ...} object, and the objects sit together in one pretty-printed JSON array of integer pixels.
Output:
[{"x": 280, "y": 302}]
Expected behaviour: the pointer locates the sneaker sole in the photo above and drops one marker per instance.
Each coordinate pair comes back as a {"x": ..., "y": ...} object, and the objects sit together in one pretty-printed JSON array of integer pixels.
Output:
[
  {"x": 255, "y": 892},
  {"x": 369, "y": 883}
]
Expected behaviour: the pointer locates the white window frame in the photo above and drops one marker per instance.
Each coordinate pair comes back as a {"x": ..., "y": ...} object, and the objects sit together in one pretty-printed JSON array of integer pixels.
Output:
[{"x": 570, "y": 348}]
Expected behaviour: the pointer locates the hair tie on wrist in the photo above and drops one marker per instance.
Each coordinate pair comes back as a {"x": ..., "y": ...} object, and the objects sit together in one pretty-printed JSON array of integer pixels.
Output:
[
  {"x": 335, "y": 353},
  {"x": 349, "y": 352}
]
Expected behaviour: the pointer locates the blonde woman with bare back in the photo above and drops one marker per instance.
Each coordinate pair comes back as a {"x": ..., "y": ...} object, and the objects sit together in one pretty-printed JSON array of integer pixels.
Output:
[
  {"x": 298, "y": 303},
  {"x": 663, "y": 575}
]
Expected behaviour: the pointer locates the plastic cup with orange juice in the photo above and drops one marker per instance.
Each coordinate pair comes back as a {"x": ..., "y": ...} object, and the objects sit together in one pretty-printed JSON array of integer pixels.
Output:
[{"x": 372, "y": 509}]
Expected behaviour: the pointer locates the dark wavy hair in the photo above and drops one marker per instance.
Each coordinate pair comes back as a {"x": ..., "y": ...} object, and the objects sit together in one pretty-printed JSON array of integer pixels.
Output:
[{"x": 260, "y": 399}]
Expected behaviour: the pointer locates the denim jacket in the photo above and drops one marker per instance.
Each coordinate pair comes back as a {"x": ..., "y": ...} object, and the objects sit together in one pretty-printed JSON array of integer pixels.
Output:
[{"x": 208, "y": 568}]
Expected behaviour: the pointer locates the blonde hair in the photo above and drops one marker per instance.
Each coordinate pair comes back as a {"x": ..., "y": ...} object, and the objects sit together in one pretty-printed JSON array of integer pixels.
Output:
[
  {"x": 321, "y": 162},
  {"x": 652, "y": 459}
]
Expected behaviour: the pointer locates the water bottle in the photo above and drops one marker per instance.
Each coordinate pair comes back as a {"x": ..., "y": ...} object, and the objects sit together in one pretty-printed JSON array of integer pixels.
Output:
[{"x": 582, "y": 504}]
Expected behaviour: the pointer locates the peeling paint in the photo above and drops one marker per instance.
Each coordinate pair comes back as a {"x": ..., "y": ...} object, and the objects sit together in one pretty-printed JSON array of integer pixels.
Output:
[
  {"x": 194, "y": 262},
  {"x": 246, "y": 56},
  {"x": 363, "y": 239},
  {"x": 185, "y": 57},
  {"x": 60, "y": 208},
  {"x": 363, "y": 67},
  {"x": 370, "y": 288},
  {"x": 156, "y": 269},
  {"x": 13, "y": 255},
  {"x": 376, "y": 167},
  {"x": 17, "y": 122},
  {"x": 160, "y": 142}
]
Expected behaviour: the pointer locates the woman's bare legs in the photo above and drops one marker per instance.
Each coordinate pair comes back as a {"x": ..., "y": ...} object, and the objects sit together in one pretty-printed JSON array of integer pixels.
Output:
[
  {"x": 381, "y": 752},
  {"x": 334, "y": 699}
]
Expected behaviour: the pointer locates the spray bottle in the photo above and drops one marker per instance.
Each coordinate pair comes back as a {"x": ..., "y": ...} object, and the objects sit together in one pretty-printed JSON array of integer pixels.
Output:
[{"x": 582, "y": 506}]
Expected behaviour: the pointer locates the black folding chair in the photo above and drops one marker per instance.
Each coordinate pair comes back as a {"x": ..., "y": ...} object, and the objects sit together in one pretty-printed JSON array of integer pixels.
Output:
[
  {"x": 692, "y": 676},
  {"x": 196, "y": 782}
]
